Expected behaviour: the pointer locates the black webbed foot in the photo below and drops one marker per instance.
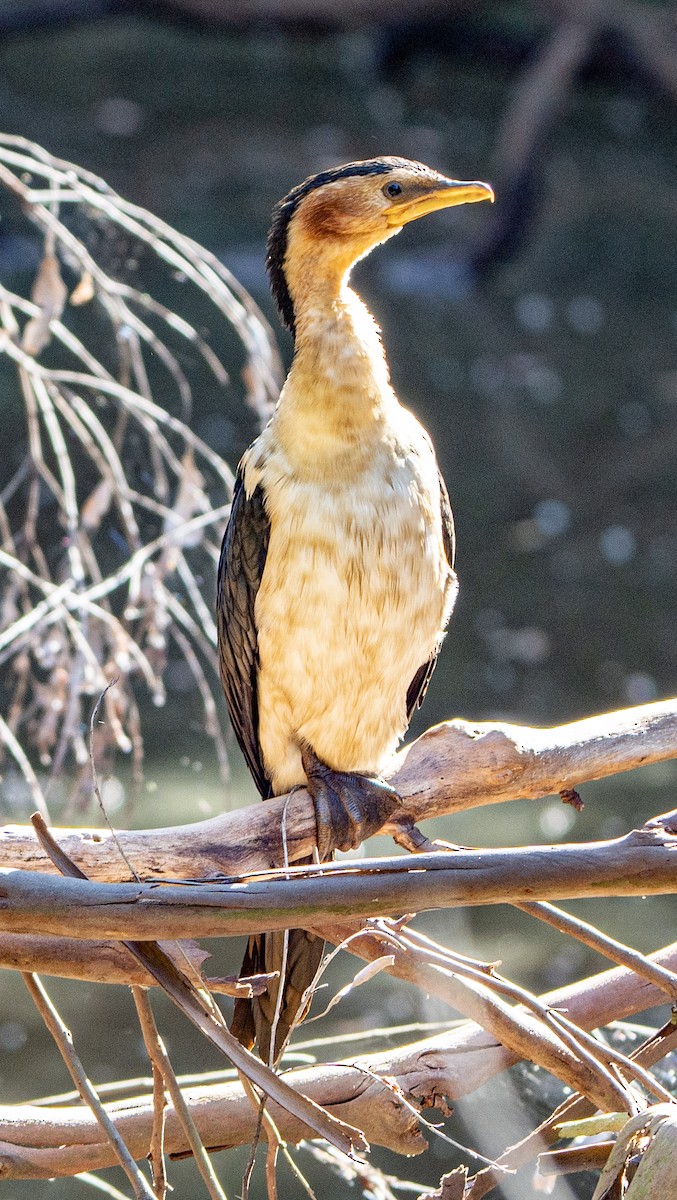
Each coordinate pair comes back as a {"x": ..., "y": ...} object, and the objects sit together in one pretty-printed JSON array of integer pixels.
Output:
[{"x": 348, "y": 807}]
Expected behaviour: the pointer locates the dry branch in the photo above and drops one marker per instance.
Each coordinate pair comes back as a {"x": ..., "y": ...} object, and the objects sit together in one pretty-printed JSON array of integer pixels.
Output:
[
  {"x": 199, "y": 1007},
  {"x": 643, "y": 861},
  {"x": 140, "y": 496},
  {"x": 64, "y": 1139},
  {"x": 480, "y": 995},
  {"x": 108, "y": 962},
  {"x": 453, "y": 766}
]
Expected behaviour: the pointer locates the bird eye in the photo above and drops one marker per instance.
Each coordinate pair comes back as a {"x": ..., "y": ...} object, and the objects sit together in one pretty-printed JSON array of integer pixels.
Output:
[{"x": 392, "y": 189}]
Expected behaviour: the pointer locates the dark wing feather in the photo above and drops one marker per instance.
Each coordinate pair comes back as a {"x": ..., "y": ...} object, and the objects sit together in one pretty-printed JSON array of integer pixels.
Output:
[
  {"x": 243, "y": 557},
  {"x": 419, "y": 684},
  {"x": 448, "y": 531}
]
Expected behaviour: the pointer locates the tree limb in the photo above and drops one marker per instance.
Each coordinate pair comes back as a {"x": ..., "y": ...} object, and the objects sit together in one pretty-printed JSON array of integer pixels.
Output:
[
  {"x": 108, "y": 962},
  {"x": 643, "y": 861},
  {"x": 452, "y": 767}
]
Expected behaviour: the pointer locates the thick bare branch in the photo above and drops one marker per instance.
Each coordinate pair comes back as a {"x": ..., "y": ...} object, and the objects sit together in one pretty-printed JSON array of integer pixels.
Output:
[
  {"x": 46, "y": 1142},
  {"x": 644, "y": 861},
  {"x": 108, "y": 962},
  {"x": 453, "y": 766}
]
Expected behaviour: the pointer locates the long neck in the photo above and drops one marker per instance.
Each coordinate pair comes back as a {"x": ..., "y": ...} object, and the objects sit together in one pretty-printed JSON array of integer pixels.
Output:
[{"x": 337, "y": 395}]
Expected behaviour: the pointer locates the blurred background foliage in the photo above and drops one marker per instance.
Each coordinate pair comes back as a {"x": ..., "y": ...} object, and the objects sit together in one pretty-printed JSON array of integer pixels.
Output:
[{"x": 538, "y": 344}]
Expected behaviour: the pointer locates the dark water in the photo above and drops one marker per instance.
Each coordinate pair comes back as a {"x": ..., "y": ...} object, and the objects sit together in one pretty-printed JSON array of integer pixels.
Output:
[{"x": 550, "y": 389}]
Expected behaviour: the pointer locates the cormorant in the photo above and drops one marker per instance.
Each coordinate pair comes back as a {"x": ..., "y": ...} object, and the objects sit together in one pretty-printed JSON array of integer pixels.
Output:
[{"x": 336, "y": 579}]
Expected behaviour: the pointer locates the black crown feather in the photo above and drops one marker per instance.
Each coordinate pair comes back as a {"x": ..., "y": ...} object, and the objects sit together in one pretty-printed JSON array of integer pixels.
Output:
[{"x": 284, "y": 211}]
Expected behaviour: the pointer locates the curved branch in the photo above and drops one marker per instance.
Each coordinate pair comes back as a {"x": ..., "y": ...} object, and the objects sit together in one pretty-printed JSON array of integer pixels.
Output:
[
  {"x": 42, "y": 1142},
  {"x": 453, "y": 766}
]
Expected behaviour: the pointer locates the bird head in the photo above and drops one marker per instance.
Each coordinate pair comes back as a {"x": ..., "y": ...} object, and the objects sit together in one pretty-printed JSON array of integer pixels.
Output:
[{"x": 333, "y": 219}]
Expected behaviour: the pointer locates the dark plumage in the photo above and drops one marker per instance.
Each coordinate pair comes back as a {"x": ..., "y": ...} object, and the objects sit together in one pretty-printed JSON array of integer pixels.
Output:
[
  {"x": 243, "y": 557},
  {"x": 419, "y": 684}
]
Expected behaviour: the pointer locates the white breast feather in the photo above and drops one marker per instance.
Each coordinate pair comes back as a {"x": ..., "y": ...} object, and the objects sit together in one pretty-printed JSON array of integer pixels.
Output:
[{"x": 355, "y": 597}]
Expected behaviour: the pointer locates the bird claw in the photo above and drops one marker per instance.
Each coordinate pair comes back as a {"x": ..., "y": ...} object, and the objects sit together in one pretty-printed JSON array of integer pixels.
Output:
[
  {"x": 409, "y": 836},
  {"x": 348, "y": 807}
]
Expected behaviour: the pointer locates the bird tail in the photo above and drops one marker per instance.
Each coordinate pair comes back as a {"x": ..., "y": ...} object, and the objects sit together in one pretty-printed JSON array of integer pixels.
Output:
[{"x": 253, "y": 1019}]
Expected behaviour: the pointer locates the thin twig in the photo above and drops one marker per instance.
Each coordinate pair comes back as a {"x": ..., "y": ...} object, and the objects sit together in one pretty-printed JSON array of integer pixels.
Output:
[
  {"x": 294, "y": 1167},
  {"x": 62, "y": 1036},
  {"x": 249, "y": 1168},
  {"x": 17, "y": 752},
  {"x": 100, "y": 1185},
  {"x": 156, "y": 1152},
  {"x": 612, "y": 949},
  {"x": 95, "y": 781},
  {"x": 159, "y": 1057}
]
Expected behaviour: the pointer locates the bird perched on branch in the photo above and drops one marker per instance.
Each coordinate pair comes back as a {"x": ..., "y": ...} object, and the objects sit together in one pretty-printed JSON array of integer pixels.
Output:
[{"x": 336, "y": 579}]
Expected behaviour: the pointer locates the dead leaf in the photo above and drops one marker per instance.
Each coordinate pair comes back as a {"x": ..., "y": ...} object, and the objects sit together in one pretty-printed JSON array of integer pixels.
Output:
[
  {"x": 452, "y": 1185},
  {"x": 96, "y": 505},
  {"x": 83, "y": 292},
  {"x": 49, "y": 293},
  {"x": 368, "y": 972},
  {"x": 652, "y": 1134}
]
